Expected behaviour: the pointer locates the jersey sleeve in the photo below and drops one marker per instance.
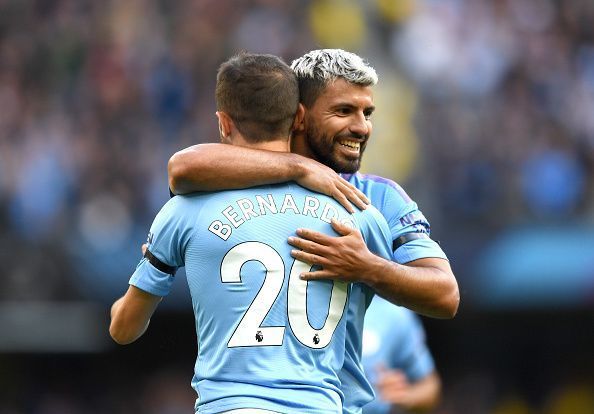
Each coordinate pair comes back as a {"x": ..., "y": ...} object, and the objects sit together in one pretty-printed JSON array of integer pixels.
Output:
[
  {"x": 411, "y": 353},
  {"x": 167, "y": 240},
  {"x": 404, "y": 219}
]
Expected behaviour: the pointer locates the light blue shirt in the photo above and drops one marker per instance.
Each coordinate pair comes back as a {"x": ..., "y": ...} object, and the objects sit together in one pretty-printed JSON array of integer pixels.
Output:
[
  {"x": 393, "y": 338},
  {"x": 266, "y": 338},
  {"x": 403, "y": 216}
]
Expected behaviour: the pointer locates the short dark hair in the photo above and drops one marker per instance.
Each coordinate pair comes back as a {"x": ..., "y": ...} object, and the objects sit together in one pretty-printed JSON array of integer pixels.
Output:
[{"x": 260, "y": 93}]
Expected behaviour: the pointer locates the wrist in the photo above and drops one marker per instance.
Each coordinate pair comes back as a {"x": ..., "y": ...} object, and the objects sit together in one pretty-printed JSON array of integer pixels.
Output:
[{"x": 297, "y": 167}]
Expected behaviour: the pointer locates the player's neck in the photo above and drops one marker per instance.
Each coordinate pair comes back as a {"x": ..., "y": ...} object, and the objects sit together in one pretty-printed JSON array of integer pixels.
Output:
[
  {"x": 278, "y": 145},
  {"x": 301, "y": 147}
]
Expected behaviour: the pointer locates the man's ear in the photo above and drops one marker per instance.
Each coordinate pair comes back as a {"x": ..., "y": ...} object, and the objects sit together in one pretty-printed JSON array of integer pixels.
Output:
[
  {"x": 299, "y": 116},
  {"x": 225, "y": 125}
]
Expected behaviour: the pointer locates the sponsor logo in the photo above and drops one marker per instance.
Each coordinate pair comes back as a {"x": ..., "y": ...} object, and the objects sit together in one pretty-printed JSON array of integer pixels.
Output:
[{"x": 416, "y": 220}]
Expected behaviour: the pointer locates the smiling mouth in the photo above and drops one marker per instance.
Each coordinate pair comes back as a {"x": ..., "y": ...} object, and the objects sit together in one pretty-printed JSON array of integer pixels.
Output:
[{"x": 352, "y": 145}]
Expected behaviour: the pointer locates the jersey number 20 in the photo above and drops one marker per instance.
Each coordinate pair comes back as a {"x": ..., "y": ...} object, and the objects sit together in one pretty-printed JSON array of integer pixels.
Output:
[{"x": 249, "y": 331}]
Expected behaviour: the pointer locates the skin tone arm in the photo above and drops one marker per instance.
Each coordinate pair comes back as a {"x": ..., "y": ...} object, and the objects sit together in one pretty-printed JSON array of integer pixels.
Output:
[
  {"x": 426, "y": 286},
  {"x": 416, "y": 397},
  {"x": 205, "y": 167},
  {"x": 130, "y": 315}
]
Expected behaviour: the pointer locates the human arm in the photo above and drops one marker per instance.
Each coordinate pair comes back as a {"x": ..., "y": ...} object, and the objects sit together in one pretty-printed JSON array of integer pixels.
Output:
[
  {"x": 154, "y": 275},
  {"x": 130, "y": 315},
  {"x": 212, "y": 167},
  {"x": 426, "y": 286},
  {"x": 416, "y": 397},
  {"x": 398, "y": 361}
]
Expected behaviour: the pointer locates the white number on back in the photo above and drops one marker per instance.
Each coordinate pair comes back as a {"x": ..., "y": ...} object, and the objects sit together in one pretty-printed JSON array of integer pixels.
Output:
[
  {"x": 249, "y": 331},
  {"x": 297, "y": 304}
]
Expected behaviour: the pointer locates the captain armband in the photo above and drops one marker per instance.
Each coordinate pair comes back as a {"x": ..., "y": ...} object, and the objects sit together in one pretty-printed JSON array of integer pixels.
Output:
[
  {"x": 408, "y": 237},
  {"x": 159, "y": 265}
]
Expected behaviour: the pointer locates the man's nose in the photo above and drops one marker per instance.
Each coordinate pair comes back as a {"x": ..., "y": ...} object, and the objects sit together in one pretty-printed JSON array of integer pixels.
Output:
[{"x": 360, "y": 125}]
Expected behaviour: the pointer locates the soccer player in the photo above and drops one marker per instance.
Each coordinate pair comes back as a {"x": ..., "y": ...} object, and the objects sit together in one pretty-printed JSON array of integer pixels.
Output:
[
  {"x": 397, "y": 361},
  {"x": 336, "y": 91},
  {"x": 268, "y": 341}
]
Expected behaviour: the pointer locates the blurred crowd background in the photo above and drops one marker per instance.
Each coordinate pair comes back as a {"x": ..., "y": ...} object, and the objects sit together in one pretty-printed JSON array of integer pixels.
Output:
[{"x": 485, "y": 115}]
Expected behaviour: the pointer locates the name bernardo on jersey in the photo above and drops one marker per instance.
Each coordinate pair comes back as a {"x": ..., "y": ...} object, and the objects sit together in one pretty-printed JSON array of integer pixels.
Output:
[{"x": 245, "y": 209}]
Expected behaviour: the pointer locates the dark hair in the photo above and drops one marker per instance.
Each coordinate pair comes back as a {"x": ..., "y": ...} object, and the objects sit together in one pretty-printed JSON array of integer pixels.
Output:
[
  {"x": 310, "y": 90},
  {"x": 260, "y": 93}
]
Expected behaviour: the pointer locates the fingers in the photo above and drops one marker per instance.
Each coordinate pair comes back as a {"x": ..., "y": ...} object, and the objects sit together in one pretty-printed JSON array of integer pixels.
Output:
[
  {"x": 344, "y": 201},
  {"x": 143, "y": 248},
  {"x": 314, "y": 236},
  {"x": 391, "y": 384},
  {"x": 323, "y": 179},
  {"x": 307, "y": 246},
  {"x": 310, "y": 258},
  {"x": 318, "y": 275},
  {"x": 354, "y": 195},
  {"x": 392, "y": 378},
  {"x": 347, "y": 195},
  {"x": 361, "y": 205},
  {"x": 341, "y": 228},
  {"x": 360, "y": 194},
  {"x": 314, "y": 241}
]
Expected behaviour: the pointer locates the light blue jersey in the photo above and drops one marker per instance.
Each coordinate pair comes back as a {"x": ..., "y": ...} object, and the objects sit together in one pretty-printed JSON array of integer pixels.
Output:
[
  {"x": 393, "y": 338},
  {"x": 266, "y": 338},
  {"x": 404, "y": 218}
]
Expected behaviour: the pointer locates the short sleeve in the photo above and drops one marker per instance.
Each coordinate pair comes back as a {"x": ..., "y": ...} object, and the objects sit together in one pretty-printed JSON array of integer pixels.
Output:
[
  {"x": 403, "y": 217},
  {"x": 168, "y": 237},
  {"x": 411, "y": 354}
]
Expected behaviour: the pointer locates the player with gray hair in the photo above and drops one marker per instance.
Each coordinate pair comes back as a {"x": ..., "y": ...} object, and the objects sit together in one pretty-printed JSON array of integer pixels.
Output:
[
  {"x": 268, "y": 341},
  {"x": 336, "y": 91},
  {"x": 317, "y": 68}
]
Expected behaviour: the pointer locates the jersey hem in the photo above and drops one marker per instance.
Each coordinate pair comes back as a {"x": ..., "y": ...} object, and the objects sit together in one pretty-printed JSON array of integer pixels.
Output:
[{"x": 214, "y": 408}]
